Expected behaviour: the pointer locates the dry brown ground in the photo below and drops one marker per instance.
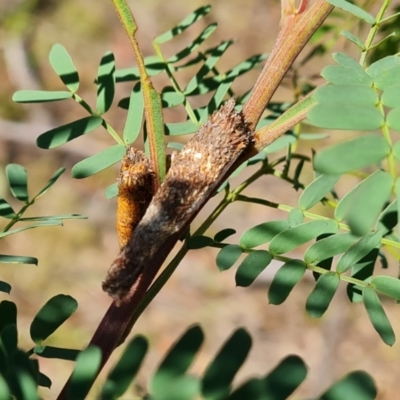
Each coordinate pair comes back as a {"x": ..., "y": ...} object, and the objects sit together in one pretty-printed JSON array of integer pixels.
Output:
[{"x": 73, "y": 259}]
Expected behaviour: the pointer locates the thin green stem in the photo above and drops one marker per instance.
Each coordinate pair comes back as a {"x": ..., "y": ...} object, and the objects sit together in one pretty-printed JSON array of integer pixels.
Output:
[{"x": 373, "y": 32}]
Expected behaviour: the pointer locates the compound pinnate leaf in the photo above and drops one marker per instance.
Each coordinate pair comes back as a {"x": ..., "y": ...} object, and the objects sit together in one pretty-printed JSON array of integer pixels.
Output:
[
  {"x": 220, "y": 373},
  {"x": 62, "y": 64},
  {"x": 319, "y": 299},
  {"x": 357, "y": 385},
  {"x": 228, "y": 256},
  {"x": 56, "y": 352},
  {"x": 341, "y": 75},
  {"x": 98, "y": 162},
  {"x": 372, "y": 195},
  {"x": 178, "y": 359},
  {"x": 377, "y": 316},
  {"x": 329, "y": 247},
  {"x": 84, "y": 374},
  {"x": 263, "y": 233},
  {"x": 224, "y": 234},
  {"x": 8, "y": 314},
  {"x": 387, "y": 285},
  {"x": 53, "y": 314},
  {"x": 285, "y": 279},
  {"x": 316, "y": 190},
  {"x": 40, "y": 96},
  {"x": 251, "y": 267},
  {"x": 18, "y": 259},
  {"x": 183, "y": 25},
  {"x": 126, "y": 368},
  {"x": 199, "y": 242},
  {"x": 353, "y": 9},
  {"x": 393, "y": 119},
  {"x": 391, "y": 96},
  {"x": 18, "y": 181},
  {"x": 385, "y": 72},
  {"x": 294, "y": 237},
  {"x": 357, "y": 251},
  {"x": 6, "y": 210},
  {"x": 285, "y": 378},
  {"x": 65, "y": 133},
  {"x": 105, "y": 83},
  {"x": 353, "y": 154}
]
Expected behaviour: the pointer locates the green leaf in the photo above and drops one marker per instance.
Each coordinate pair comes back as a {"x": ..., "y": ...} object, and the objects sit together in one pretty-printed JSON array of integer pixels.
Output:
[
  {"x": 126, "y": 369},
  {"x": 387, "y": 285},
  {"x": 65, "y": 133},
  {"x": 354, "y": 39},
  {"x": 385, "y": 72},
  {"x": 105, "y": 83},
  {"x": 17, "y": 259},
  {"x": 154, "y": 66},
  {"x": 357, "y": 251},
  {"x": 316, "y": 190},
  {"x": 346, "y": 95},
  {"x": 251, "y": 267},
  {"x": 194, "y": 45},
  {"x": 9, "y": 339},
  {"x": 285, "y": 378},
  {"x": 294, "y": 237},
  {"x": 27, "y": 388},
  {"x": 8, "y": 314},
  {"x": 319, "y": 299},
  {"x": 111, "y": 191},
  {"x": 280, "y": 143},
  {"x": 285, "y": 279},
  {"x": 347, "y": 61},
  {"x": 44, "y": 381},
  {"x": 329, "y": 247},
  {"x": 357, "y": 385},
  {"x": 252, "y": 389},
  {"x": 344, "y": 75},
  {"x": 199, "y": 242},
  {"x": 220, "y": 373},
  {"x": 353, "y": 9},
  {"x": 51, "y": 182},
  {"x": 397, "y": 192},
  {"x": 183, "y": 387},
  {"x": 353, "y": 154},
  {"x": 171, "y": 98},
  {"x": 388, "y": 218},
  {"x": 4, "y": 390},
  {"x": 346, "y": 116},
  {"x": 181, "y": 128},
  {"x": 18, "y": 180},
  {"x": 40, "y": 96},
  {"x": 391, "y": 96},
  {"x": 228, "y": 256},
  {"x": 377, "y": 316},
  {"x": 224, "y": 234},
  {"x": 98, "y": 162},
  {"x": 24, "y": 228},
  {"x": 295, "y": 218},
  {"x": 53, "y": 314},
  {"x": 393, "y": 119},
  {"x": 263, "y": 233},
  {"x": 372, "y": 195},
  {"x": 178, "y": 359},
  {"x": 6, "y": 210},
  {"x": 183, "y": 25},
  {"x": 63, "y": 66},
  {"x": 85, "y": 372},
  {"x": 5, "y": 287},
  {"x": 51, "y": 218},
  {"x": 56, "y": 352},
  {"x": 134, "y": 119}
]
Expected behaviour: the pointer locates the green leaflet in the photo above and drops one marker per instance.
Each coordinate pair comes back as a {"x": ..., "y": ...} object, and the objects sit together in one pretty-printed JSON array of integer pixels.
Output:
[
  {"x": 285, "y": 279},
  {"x": 353, "y": 154},
  {"x": 228, "y": 256},
  {"x": 319, "y": 299},
  {"x": 40, "y": 96},
  {"x": 377, "y": 316},
  {"x": 316, "y": 190},
  {"x": 251, "y": 267},
  {"x": 294, "y": 237},
  {"x": 387, "y": 285},
  {"x": 105, "y": 83},
  {"x": 263, "y": 233},
  {"x": 18, "y": 181}
]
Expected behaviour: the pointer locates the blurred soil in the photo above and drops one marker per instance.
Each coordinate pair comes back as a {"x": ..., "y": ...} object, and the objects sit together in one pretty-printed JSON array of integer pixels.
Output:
[{"x": 73, "y": 259}]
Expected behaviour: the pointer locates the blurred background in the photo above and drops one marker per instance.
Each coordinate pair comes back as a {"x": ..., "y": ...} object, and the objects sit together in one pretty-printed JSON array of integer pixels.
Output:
[{"x": 74, "y": 259}]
